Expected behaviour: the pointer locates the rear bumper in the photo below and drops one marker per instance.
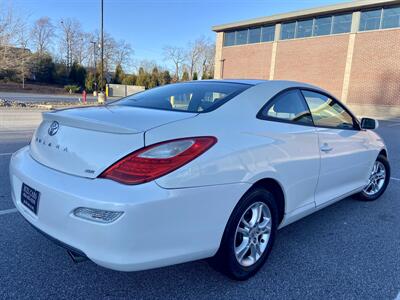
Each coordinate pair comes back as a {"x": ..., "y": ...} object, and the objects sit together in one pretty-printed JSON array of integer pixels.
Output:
[
  {"x": 159, "y": 226},
  {"x": 58, "y": 242}
]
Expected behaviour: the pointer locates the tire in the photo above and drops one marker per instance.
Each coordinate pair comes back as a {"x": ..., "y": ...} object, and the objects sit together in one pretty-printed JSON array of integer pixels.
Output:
[
  {"x": 364, "y": 195},
  {"x": 226, "y": 260}
]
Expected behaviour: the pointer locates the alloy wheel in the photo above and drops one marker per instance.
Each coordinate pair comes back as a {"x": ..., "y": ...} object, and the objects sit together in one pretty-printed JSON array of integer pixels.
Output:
[
  {"x": 252, "y": 234},
  {"x": 376, "y": 179}
]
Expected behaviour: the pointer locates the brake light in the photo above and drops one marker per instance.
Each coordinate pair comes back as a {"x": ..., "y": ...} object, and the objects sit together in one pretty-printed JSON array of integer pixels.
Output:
[{"x": 156, "y": 160}]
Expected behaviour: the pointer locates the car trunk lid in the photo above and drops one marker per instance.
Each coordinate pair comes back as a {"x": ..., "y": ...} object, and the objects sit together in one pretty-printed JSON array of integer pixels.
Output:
[{"x": 85, "y": 141}]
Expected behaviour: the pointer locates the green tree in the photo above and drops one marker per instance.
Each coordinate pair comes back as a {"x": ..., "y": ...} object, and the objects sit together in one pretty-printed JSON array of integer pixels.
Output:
[
  {"x": 185, "y": 76},
  {"x": 129, "y": 79},
  {"x": 89, "y": 82},
  {"x": 166, "y": 77},
  {"x": 207, "y": 75},
  {"x": 142, "y": 78},
  {"x": 195, "y": 76},
  {"x": 77, "y": 74},
  {"x": 154, "y": 78},
  {"x": 60, "y": 74},
  {"x": 43, "y": 68},
  {"x": 118, "y": 75}
]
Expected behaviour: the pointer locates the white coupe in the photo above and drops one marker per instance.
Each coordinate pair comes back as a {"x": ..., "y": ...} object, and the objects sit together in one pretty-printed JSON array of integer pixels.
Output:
[{"x": 204, "y": 169}]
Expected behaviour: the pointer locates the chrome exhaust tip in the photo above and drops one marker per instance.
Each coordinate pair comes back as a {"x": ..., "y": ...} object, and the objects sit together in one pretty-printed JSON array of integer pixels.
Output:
[{"x": 76, "y": 257}]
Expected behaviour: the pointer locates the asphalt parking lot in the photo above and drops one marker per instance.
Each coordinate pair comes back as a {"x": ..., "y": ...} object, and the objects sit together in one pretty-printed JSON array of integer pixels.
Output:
[{"x": 350, "y": 250}]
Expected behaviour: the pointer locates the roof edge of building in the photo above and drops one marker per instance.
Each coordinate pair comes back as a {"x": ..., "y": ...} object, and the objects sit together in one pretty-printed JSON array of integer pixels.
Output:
[{"x": 335, "y": 8}]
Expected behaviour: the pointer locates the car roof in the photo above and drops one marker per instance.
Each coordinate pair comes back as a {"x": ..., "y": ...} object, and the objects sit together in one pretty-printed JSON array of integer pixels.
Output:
[
  {"x": 281, "y": 83},
  {"x": 243, "y": 81}
]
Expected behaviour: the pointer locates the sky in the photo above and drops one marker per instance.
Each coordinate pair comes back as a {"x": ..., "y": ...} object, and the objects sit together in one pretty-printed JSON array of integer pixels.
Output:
[{"x": 149, "y": 25}]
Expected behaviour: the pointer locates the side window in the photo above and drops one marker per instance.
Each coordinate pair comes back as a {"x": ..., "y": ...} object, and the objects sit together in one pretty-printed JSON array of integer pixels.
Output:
[
  {"x": 287, "y": 107},
  {"x": 327, "y": 112}
]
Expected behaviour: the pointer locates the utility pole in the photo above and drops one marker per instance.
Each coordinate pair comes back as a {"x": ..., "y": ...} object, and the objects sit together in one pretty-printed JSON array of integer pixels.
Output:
[
  {"x": 94, "y": 64},
  {"x": 102, "y": 46},
  {"x": 67, "y": 36}
]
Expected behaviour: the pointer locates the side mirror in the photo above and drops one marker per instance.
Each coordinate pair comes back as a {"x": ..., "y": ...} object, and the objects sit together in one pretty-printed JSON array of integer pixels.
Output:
[{"x": 367, "y": 123}]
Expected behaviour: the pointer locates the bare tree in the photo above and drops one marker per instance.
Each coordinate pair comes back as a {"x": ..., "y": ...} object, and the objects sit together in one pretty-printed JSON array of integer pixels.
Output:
[
  {"x": 208, "y": 57},
  {"x": 177, "y": 56},
  {"x": 123, "y": 54},
  {"x": 9, "y": 28},
  {"x": 42, "y": 34},
  {"x": 22, "y": 62},
  {"x": 115, "y": 53},
  {"x": 81, "y": 52},
  {"x": 70, "y": 30},
  {"x": 194, "y": 54},
  {"x": 73, "y": 45},
  {"x": 14, "y": 52},
  {"x": 110, "y": 46},
  {"x": 147, "y": 65}
]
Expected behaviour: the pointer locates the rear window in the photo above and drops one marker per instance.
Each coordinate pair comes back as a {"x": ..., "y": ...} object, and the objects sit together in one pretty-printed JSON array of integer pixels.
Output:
[{"x": 190, "y": 97}]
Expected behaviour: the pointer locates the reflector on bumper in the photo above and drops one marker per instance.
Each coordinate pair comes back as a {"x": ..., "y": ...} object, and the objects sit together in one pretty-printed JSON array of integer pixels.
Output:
[{"x": 97, "y": 215}]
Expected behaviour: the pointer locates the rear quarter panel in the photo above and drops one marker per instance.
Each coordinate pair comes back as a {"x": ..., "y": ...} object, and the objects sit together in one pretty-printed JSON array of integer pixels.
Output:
[{"x": 248, "y": 149}]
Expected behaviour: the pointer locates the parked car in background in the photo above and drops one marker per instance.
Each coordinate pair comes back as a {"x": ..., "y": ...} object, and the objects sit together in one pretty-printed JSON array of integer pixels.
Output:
[{"x": 205, "y": 169}]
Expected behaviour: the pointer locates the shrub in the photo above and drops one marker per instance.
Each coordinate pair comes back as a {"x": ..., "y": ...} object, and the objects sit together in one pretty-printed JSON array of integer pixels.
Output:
[{"x": 72, "y": 88}]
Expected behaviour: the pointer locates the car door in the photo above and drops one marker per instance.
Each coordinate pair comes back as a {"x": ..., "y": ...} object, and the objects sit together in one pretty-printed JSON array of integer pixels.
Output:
[
  {"x": 344, "y": 150},
  {"x": 289, "y": 143}
]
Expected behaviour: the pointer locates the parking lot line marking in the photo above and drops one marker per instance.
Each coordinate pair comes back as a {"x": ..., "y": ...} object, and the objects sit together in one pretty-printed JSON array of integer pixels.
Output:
[
  {"x": 397, "y": 179},
  {"x": 8, "y": 211},
  {"x": 5, "y": 154},
  {"x": 392, "y": 125}
]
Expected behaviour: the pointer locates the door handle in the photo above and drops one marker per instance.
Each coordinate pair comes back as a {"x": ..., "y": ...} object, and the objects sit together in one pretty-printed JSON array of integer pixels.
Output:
[{"x": 326, "y": 148}]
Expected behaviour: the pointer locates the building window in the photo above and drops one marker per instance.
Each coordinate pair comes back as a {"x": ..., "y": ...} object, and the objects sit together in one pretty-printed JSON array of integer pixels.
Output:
[
  {"x": 391, "y": 17},
  {"x": 241, "y": 36},
  {"x": 229, "y": 38},
  {"x": 322, "y": 26},
  {"x": 267, "y": 33},
  {"x": 249, "y": 35},
  {"x": 304, "y": 28},
  {"x": 387, "y": 17},
  {"x": 254, "y": 35},
  {"x": 316, "y": 27},
  {"x": 342, "y": 23},
  {"x": 288, "y": 31},
  {"x": 370, "y": 20}
]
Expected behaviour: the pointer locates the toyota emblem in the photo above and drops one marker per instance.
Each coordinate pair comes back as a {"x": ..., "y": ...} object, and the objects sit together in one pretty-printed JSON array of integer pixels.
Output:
[{"x": 53, "y": 128}]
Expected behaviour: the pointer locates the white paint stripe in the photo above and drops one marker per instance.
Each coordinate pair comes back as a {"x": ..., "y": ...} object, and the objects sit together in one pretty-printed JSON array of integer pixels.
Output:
[
  {"x": 397, "y": 179},
  {"x": 8, "y": 211},
  {"x": 392, "y": 125},
  {"x": 5, "y": 154}
]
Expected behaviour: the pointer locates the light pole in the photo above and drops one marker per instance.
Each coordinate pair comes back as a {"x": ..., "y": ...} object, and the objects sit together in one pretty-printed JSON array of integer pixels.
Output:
[
  {"x": 102, "y": 46},
  {"x": 68, "y": 43},
  {"x": 94, "y": 63}
]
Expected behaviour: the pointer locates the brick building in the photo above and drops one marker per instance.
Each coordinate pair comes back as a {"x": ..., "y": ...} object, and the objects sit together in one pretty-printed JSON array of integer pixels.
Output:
[{"x": 350, "y": 49}]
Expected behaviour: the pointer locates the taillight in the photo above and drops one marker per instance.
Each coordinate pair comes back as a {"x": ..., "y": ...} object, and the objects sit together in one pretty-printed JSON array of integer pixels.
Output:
[{"x": 156, "y": 160}]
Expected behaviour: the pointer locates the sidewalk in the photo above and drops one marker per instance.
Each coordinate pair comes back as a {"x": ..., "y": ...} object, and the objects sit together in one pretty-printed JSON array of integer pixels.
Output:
[{"x": 32, "y": 97}]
